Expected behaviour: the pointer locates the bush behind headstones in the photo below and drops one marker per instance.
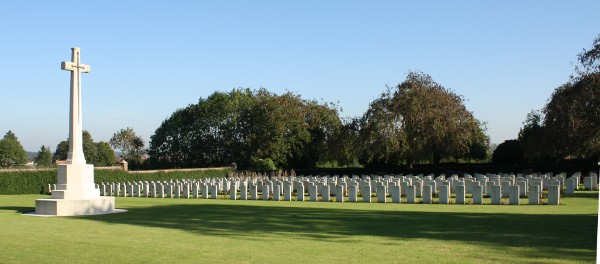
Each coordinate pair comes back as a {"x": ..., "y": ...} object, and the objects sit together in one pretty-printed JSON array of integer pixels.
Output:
[{"x": 36, "y": 181}]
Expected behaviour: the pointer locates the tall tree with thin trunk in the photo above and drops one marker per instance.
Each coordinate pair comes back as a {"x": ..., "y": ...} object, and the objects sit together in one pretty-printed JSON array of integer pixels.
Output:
[
  {"x": 11, "y": 151},
  {"x": 44, "y": 157}
]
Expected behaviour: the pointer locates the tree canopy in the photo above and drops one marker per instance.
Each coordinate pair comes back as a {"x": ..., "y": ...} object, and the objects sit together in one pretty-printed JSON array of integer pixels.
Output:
[
  {"x": 131, "y": 144},
  {"x": 509, "y": 152},
  {"x": 11, "y": 151},
  {"x": 245, "y": 125},
  {"x": 569, "y": 124},
  {"x": 572, "y": 118},
  {"x": 44, "y": 157},
  {"x": 420, "y": 121},
  {"x": 97, "y": 153}
]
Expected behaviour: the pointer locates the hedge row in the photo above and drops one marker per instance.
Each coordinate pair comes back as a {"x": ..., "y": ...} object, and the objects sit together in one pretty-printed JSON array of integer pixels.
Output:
[
  {"x": 21, "y": 182},
  {"x": 459, "y": 169},
  {"x": 36, "y": 182}
]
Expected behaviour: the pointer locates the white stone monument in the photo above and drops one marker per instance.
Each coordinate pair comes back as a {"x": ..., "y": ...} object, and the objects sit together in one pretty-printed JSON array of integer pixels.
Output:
[{"x": 76, "y": 193}]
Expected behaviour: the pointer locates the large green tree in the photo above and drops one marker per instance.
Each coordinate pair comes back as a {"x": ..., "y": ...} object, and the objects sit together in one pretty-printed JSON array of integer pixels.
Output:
[
  {"x": 569, "y": 124},
  {"x": 11, "y": 151},
  {"x": 89, "y": 148},
  {"x": 509, "y": 152},
  {"x": 436, "y": 122},
  {"x": 589, "y": 59},
  {"x": 345, "y": 146},
  {"x": 420, "y": 121},
  {"x": 382, "y": 137},
  {"x": 99, "y": 154},
  {"x": 572, "y": 114},
  {"x": 131, "y": 144},
  {"x": 245, "y": 125},
  {"x": 105, "y": 154},
  {"x": 62, "y": 151},
  {"x": 532, "y": 138},
  {"x": 43, "y": 158},
  {"x": 572, "y": 118}
]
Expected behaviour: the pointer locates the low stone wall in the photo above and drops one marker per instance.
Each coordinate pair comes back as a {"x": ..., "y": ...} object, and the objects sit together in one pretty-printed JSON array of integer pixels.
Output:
[
  {"x": 176, "y": 170},
  {"x": 116, "y": 168},
  {"x": 27, "y": 169}
]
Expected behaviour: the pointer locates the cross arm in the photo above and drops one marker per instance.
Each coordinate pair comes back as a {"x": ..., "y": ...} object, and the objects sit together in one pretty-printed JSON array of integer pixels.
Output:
[{"x": 71, "y": 66}]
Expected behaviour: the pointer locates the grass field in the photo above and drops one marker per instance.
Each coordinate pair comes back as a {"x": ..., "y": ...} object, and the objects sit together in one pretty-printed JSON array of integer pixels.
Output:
[{"x": 224, "y": 231}]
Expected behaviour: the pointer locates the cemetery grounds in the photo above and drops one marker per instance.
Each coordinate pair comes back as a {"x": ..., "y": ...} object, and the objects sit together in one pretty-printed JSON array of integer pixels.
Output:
[{"x": 255, "y": 231}]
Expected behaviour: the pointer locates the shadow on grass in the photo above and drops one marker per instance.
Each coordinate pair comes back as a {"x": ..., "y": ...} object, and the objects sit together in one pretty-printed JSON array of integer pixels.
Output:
[
  {"x": 586, "y": 194},
  {"x": 19, "y": 209},
  {"x": 568, "y": 237}
]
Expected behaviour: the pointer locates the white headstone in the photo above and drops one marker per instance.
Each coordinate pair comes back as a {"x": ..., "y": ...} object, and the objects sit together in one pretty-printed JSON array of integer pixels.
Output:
[
  {"x": 339, "y": 193},
  {"x": 444, "y": 197},
  {"x": 514, "y": 194},
  {"x": 325, "y": 193},
  {"x": 352, "y": 193},
  {"x": 312, "y": 191},
  {"x": 477, "y": 194},
  {"x": 534, "y": 194},
  {"x": 254, "y": 192},
  {"x": 571, "y": 185},
  {"x": 366, "y": 194},
  {"x": 287, "y": 192},
  {"x": 496, "y": 194},
  {"x": 428, "y": 193},
  {"x": 381, "y": 193},
  {"x": 300, "y": 192},
  {"x": 395, "y": 193},
  {"x": 460, "y": 194},
  {"x": 411, "y": 194},
  {"x": 554, "y": 195}
]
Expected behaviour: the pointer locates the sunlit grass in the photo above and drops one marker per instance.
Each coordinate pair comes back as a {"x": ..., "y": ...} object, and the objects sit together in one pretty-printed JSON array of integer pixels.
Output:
[{"x": 224, "y": 231}]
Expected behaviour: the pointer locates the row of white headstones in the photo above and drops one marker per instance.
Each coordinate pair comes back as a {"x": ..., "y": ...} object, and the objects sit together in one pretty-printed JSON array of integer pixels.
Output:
[{"x": 415, "y": 189}]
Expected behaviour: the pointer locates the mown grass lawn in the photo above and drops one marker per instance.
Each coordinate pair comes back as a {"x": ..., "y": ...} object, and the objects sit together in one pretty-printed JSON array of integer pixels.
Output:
[{"x": 224, "y": 231}]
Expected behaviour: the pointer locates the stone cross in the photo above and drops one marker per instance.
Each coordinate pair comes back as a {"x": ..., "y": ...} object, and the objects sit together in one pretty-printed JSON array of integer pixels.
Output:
[
  {"x": 76, "y": 193},
  {"x": 75, "y": 155}
]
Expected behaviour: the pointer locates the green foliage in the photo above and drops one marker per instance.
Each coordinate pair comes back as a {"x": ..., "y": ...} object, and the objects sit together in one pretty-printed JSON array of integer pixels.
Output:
[
  {"x": 478, "y": 151},
  {"x": 589, "y": 60},
  {"x": 345, "y": 146},
  {"x": 263, "y": 165},
  {"x": 532, "y": 138},
  {"x": 435, "y": 120},
  {"x": 569, "y": 125},
  {"x": 32, "y": 182},
  {"x": 572, "y": 118},
  {"x": 420, "y": 120},
  {"x": 22, "y": 182},
  {"x": 129, "y": 143},
  {"x": 382, "y": 139},
  {"x": 509, "y": 152},
  {"x": 106, "y": 155},
  {"x": 230, "y": 127},
  {"x": 100, "y": 154},
  {"x": 43, "y": 157},
  {"x": 62, "y": 151},
  {"x": 11, "y": 151},
  {"x": 332, "y": 164},
  {"x": 89, "y": 148}
]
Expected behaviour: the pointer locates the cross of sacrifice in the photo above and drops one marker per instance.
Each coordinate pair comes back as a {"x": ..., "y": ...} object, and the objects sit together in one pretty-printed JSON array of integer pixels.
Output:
[{"x": 75, "y": 155}]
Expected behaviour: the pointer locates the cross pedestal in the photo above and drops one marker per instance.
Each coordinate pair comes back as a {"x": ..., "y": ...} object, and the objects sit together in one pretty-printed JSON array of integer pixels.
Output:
[{"x": 76, "y": 193}]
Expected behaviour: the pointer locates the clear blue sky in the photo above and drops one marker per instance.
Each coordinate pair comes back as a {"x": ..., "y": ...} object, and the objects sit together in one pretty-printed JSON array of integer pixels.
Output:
[{"x": 149, "y": 58}]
